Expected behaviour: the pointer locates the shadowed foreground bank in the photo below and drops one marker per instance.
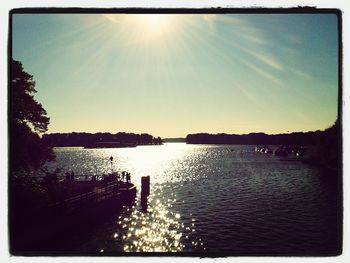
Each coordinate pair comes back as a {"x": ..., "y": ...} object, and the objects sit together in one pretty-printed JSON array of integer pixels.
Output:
[{"x": 73, "y": 206}]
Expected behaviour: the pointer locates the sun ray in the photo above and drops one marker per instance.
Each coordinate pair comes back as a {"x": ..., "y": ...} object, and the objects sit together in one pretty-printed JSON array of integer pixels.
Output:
[{"x": 145, "y": 29}]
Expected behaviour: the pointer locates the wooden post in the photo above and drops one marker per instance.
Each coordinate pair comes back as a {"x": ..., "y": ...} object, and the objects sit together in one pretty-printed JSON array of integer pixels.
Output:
[
  {"x": 145, "y": 185},
  {"x": 145, "y": 190},
  {"x": 111, "y": 159}
]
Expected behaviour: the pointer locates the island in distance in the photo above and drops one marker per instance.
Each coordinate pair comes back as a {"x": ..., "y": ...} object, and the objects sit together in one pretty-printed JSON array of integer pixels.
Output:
[{"x": 100, "y": 140}]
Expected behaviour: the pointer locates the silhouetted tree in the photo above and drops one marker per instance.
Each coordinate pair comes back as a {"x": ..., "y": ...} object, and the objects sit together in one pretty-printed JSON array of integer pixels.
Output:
[
  {"x": 27, "y": 120},
  {"x": 329, "y": 146},
  {"x": 296, "y": 138},
  {"x": 86, "y": 139},
  {"x": 158, "y": 140}
]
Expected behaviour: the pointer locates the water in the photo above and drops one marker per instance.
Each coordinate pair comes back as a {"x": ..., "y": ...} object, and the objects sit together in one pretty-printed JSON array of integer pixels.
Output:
[{"x": 213, "y": 199}]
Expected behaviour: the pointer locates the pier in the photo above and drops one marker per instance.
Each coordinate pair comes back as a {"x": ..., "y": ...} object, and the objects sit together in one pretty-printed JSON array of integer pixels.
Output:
[{"x": 83, "y": 205}]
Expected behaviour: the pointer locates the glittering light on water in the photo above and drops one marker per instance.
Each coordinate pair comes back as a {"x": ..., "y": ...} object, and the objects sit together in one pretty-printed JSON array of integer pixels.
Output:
[
  {"x": 162, "y": 227},
  {"x": 157, "y": 230}
]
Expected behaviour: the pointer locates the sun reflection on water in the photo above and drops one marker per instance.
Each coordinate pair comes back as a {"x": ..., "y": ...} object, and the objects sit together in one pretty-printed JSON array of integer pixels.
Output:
[
  {"x": 160, "y": 226},
  {"x": 207, "y": 198},
  {"x": 160, "y": 229},
  {"x": 160, "y": 162}
]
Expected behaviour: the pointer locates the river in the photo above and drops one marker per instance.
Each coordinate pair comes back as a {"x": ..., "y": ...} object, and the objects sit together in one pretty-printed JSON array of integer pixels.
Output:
[{"x": 214, "y": 199}]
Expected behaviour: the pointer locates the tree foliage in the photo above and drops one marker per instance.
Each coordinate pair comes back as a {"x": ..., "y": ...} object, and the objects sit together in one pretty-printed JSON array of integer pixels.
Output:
[
  {"x": 24, "y": 108},
  {"x": 330, "y": 147},
  {"x": 295, "y": 138},
  {"x": 85, "y": 139},
  {"x": 27, "y": 120}
]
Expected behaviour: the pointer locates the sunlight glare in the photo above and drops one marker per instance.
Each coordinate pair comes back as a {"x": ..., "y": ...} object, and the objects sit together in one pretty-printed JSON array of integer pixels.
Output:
[
  {"x": 146, "y": 28},
  {"x": 151, "y": 28},
  {"x": 153, "y": 23}
]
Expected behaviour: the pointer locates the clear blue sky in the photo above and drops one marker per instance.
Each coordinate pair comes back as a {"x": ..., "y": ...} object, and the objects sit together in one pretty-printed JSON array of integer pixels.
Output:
[{"x": 170, "y": 75}]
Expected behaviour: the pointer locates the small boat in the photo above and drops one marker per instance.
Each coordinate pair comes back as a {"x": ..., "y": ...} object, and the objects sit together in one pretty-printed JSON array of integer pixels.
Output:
[
  {"x": 292, "y": 153},
  {"x": 263, "y": 149}
]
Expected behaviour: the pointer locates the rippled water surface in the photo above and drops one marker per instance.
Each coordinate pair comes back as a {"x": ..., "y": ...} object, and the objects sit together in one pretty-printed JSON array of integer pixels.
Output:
[{"x": 215, "y": 199}]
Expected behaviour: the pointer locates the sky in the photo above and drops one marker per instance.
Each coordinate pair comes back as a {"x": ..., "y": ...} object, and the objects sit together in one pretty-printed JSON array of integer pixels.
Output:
[{"x": 171, "y": 75}]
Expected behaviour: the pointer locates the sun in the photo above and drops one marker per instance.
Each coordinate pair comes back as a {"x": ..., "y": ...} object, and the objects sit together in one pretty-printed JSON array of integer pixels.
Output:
[
  {"x": 152, "y": 27},
  {"x": 146, "y": 28},
  {"x": 153, "y": 23}
]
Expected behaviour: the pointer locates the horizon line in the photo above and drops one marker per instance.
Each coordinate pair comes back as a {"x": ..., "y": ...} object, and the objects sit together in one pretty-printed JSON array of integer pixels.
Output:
[{"x": 173, "y": 137}]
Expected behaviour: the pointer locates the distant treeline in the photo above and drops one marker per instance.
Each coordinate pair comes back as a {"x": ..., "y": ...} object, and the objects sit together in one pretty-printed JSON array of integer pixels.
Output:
[
  {"x": 296, "y": 138},
  {"x": 174, "y": 140},
  {"x": 82, "y": 139}
]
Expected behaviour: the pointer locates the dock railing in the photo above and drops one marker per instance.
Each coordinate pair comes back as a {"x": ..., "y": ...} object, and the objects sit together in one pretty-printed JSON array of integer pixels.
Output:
[{"x": 98, "y": 194}]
